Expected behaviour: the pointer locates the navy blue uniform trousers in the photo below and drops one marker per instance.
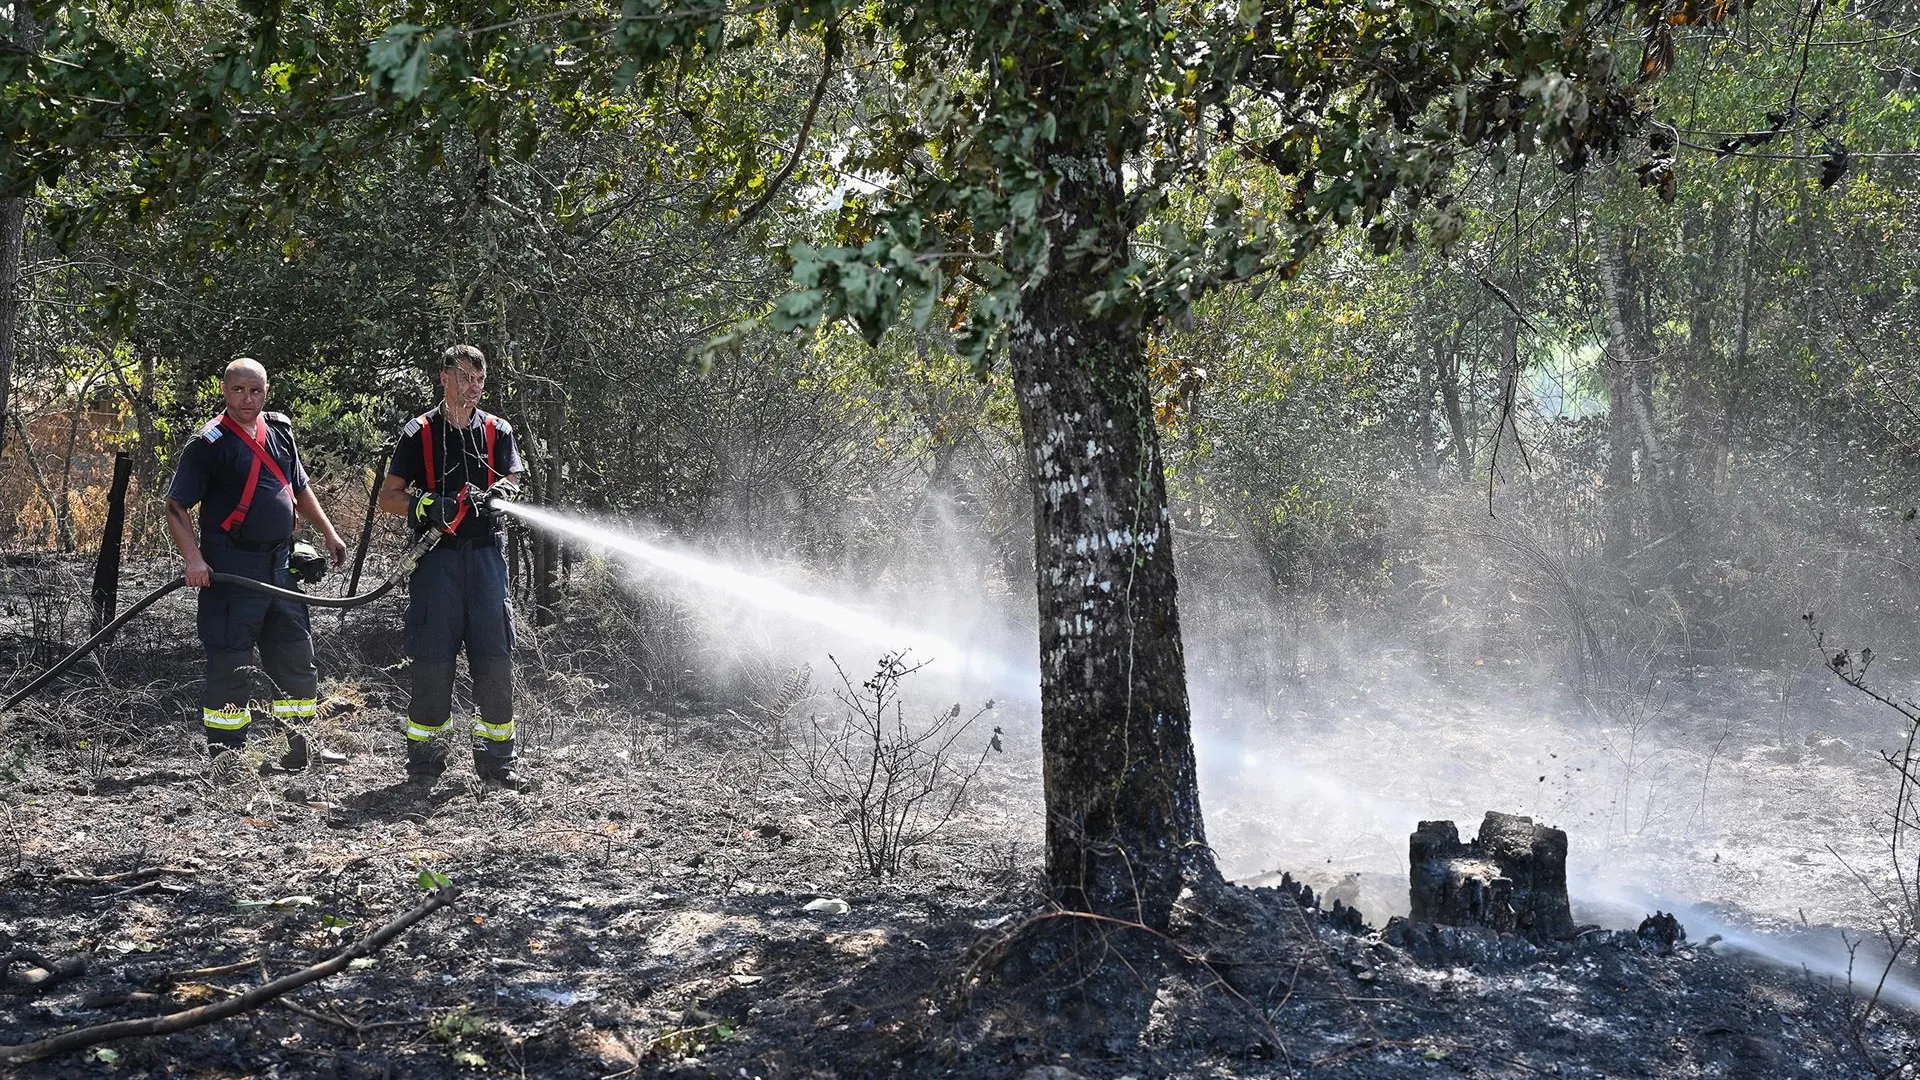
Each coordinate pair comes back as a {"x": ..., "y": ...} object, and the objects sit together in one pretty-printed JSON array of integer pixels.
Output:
[
  {"x": 232, "y": 620},
  {"x": 457, "y": 597}
]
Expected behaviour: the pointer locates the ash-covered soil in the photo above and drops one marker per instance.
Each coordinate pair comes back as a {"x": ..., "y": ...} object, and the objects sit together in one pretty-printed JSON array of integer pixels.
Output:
[{"x": 644, "y": 911}]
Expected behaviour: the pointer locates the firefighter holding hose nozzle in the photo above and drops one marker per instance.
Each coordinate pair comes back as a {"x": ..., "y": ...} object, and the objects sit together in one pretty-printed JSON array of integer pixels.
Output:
[
  {"x": 243, "y": 471},
  {"x": 449, "y": 467}
]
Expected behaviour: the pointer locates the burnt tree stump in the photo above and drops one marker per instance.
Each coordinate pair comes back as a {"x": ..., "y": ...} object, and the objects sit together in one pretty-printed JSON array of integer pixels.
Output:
[{"x": 1510, "y": 878}]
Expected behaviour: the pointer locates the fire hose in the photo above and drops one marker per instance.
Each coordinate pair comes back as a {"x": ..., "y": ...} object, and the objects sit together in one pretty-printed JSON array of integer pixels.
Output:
[{"x": 481, "y": 499}]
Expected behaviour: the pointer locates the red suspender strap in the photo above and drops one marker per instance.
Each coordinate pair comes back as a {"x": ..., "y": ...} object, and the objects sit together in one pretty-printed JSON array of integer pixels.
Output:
[
  {"x": 493, "y": 433},
  {"x": 426, "y": 450},
  {"x": 260, "y": 457}
]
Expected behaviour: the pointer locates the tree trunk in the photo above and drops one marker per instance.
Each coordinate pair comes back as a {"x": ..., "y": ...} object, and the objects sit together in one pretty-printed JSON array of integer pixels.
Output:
[
  {"x": 149, "y": 450},
  {"x": 1634, "y": 460},
  {"x": 1424, "y": 435},
  {"x": 13, "y": 220},
  {"x": 546, "y": 546},
  {"x": 1124, "y": 832},
  {"x": 1742, "y": 335},
  {"x": 1699, "y": 424},
  {"x": 13, "y": 232},
  {"x": 63, "y": 510},
  {"x": 1449, "y": 377},
  {"x": 61, "y": 528},
  {"x": 1696, "y": 426}
]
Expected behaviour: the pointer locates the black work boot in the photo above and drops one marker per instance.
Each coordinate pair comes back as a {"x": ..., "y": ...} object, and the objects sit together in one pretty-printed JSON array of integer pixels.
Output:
[
  {"x": 506, "y": 778},
  {"x": 425, "y": 762},
  {"x": 497, "y": 773}
]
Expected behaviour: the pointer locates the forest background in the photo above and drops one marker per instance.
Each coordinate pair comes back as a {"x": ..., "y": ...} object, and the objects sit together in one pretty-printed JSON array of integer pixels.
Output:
[{"x": 1601, "y": 420}]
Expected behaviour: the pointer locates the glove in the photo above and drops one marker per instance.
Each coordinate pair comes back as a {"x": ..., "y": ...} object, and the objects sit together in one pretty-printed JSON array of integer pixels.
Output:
[
  {"x": 505, "y": 491},
  {"x": 431, "y": 511}
]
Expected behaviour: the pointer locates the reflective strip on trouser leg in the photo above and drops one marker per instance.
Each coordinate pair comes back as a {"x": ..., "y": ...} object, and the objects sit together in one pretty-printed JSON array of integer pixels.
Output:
[
  {"x": 295, "y": 709},
  {"x": 492, "y": 732},
  {"x": 225, "y": 719},
  {"x": 494, "y": 745},
  {"x": 432, "y": 699}
]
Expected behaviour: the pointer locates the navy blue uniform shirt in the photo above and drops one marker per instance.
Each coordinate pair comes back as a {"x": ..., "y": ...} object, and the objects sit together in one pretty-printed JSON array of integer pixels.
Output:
[
  {"x": 213, "y": 473},
  {"x": 459, "y": 458}
]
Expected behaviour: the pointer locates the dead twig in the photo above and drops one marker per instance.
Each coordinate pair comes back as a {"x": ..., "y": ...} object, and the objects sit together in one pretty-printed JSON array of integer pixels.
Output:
[
  {"x": 298, "y": 1009},
  {"x": 142, "y": 999},
  {"x": 142, "y": 889},
  {"x": 144, "y": 874},
  {"x": 168, "y": 978},
  {"x": 57, "y": 971},
  {"x": 259, "y": 995}
]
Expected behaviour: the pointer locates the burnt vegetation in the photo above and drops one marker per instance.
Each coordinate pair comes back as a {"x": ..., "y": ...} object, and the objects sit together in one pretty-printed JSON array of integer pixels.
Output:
[{"x": 1221, "y": 453}]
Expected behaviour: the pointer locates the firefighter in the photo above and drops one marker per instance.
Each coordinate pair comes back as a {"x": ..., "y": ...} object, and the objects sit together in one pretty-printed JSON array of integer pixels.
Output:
[
  {"x": 243, "y": 471},
  {"x": 458, "y": 592}
]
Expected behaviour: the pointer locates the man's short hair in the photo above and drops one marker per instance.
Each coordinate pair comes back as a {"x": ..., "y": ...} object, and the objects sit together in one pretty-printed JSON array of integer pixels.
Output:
[{"x": 453, "y": 357}]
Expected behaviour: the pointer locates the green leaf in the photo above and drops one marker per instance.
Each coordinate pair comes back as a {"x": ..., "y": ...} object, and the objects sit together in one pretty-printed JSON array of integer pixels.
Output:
[
  {"x": 797, "y": 310},
  {"x": 929, "y": 299},
  {"x": 433, "y": 879},
  {"x": 389, "y": 52},
  {"x": 399, "y": 58},
  {"x": 412, "y": 77}
]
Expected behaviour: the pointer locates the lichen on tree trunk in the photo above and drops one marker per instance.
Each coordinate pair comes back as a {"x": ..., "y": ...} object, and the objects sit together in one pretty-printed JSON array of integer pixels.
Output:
[{"x": 1124, "y": 830}]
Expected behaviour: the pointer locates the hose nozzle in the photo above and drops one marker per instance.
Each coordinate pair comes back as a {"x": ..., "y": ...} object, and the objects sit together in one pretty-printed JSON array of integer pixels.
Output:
[{"x": 489, "y": 500}]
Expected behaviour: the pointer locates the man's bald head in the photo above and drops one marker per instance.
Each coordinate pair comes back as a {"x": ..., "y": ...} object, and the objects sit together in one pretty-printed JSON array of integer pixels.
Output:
[{"x": 243, "y": 366}]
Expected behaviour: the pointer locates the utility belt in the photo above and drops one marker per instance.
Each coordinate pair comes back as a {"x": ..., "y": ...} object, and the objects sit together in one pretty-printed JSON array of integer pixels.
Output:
[
  {"x": 255, "y": 546},
  {"x": 468, "y": 543},
  {"x": 306, "y": 565}
]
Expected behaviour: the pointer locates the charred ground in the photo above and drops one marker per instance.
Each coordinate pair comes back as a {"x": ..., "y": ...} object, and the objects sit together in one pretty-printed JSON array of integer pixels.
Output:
[{"x": 643, "y": 912}]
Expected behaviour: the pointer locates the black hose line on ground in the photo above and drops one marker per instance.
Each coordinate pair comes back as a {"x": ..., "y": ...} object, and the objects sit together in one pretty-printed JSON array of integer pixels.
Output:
[{"x": 407, "y": 561}]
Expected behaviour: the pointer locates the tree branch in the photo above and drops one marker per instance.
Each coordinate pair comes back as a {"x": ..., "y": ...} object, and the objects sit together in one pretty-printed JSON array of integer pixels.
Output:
[
  {"x": 799, "y": 147},
  {"x": 259, "y": 995}
]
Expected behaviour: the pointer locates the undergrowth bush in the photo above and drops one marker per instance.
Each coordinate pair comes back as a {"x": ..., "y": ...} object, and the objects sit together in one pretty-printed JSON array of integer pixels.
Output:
[{"x": 899, "y": 785}]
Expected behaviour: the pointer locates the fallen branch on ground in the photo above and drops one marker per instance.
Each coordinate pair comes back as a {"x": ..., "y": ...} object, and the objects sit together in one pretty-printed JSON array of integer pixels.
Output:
[
  {"x": 295, "y": 1007},
  {"x": 143, "y": 889},
  {"x": 116, "y": 999},
  {"x": 117, "y": 879},
  {"x": 57, "y": 971},
  {"x": 81, "y": 1038},
  {"x": 168, "y": 978}
]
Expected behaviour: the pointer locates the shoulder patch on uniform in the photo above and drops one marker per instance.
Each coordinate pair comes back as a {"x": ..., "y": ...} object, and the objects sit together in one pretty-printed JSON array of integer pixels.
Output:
[
  {"x": 500, "y": 423},
  {"x": 413, "y": 426},
  {"x": 279, "y": 418},
  {"x": 212, "y": 430}
]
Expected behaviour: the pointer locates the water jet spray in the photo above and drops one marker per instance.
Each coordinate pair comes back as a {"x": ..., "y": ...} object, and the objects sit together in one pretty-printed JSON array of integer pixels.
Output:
[{"x": 770, "y": 596}]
